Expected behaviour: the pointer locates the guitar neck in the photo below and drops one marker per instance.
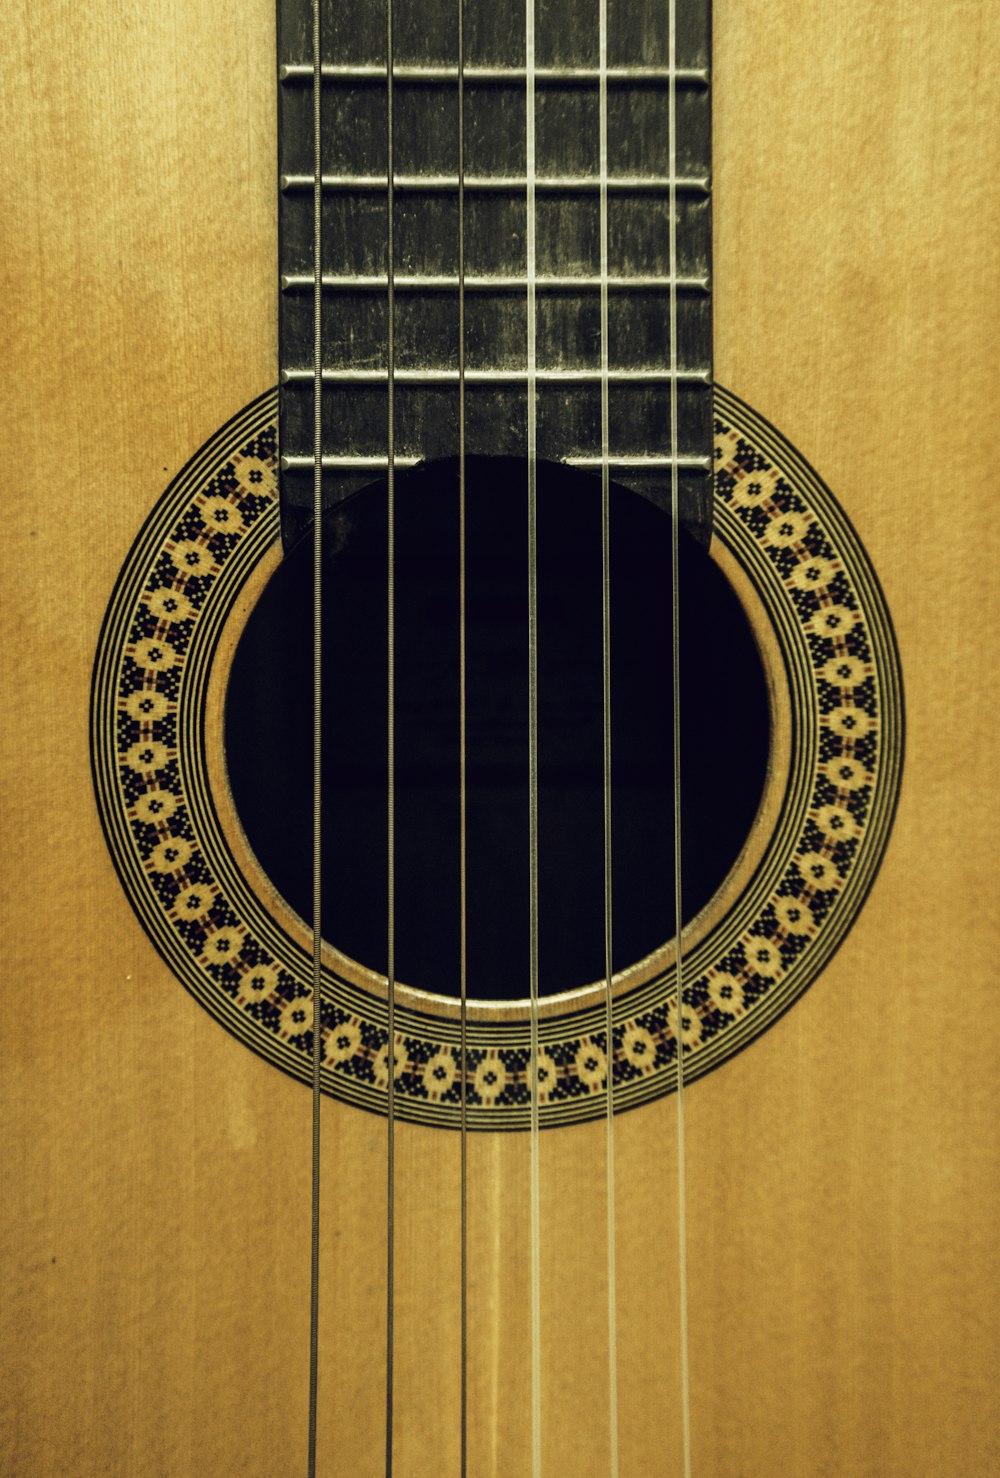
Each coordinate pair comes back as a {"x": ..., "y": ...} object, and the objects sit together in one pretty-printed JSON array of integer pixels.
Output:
[{"x": 601, "y": 242}]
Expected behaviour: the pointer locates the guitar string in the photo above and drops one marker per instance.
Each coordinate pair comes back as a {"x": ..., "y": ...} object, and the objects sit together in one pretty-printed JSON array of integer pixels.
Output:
[
  {"x": 532, "y": 450},
  {"x": 533, "y": 742},
  {"x": 682, "y": 1273},
  {"x": 462, "y": 860},
  {"x": 612, "y": 1270},
  {"x": 317, "y": 724},
  {"x": 390, "y": 1250}
]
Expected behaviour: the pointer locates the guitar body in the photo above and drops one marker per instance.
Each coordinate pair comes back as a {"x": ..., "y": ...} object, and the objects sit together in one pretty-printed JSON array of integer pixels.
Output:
[{"x": 841, "y": 1172}]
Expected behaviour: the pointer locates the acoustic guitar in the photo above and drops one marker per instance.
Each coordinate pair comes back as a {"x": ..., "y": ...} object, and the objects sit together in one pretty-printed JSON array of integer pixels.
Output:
[{"x": 487, "y": 993}]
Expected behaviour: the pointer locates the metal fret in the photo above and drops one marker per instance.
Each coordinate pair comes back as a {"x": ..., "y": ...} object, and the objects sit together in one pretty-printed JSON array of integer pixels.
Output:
[
  {"x": 499, "y": 376},
  {"x": 348, "y": 463},
  {"x": 544, "y": 76},
  {"x": 380, "y": 464},
  {"x": 642, "y": 464},
  {"x": 565, "y": 282},
  {"x": 548, "y": 184}
]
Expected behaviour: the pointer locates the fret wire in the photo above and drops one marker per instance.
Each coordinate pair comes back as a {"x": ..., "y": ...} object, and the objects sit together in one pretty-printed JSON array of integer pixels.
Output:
[
  {"x": 501, "y": 183},
  {"x": 348, "y": 462},
  {"x": 444, "y": 376},
  {"x": 566, "y": 282},
  {"x": 645, "y": 463},
  {"x": 624, "y": 462},
  {"x": 543, "y": 76},
  {"x": 317, "y": 724},
  {"x": 676, "y": 762},
  {"x": 389, "y": 184},
  {"x": 612, "y": 1269}
]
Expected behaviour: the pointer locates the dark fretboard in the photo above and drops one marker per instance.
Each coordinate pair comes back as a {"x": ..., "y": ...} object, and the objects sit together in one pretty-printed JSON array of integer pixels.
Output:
[{"x": 568, "y": 277}]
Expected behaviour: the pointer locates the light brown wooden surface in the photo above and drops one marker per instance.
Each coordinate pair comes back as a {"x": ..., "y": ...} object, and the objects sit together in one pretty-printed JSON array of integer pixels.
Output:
[{"x": 842, "y": 1172}]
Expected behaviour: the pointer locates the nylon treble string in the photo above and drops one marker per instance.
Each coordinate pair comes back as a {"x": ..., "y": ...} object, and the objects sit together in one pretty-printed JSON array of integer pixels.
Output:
[
  {"x": 606, "y": 723},
  {"x": 390, "y": 752},
  {"x": 532, "y": 457},
  {"x": 317, "y": 725},
  {"x": 685, "y": 1392},
  {"x": 463, "y": 810}
]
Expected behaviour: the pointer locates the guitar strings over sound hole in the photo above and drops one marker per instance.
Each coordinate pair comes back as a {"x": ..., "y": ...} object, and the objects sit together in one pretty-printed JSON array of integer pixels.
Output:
[{"x": 724, "y": 728}]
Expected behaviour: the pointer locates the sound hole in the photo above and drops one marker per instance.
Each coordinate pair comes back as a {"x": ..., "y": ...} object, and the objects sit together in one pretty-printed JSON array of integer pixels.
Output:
[{"x": 724, "y": 728}]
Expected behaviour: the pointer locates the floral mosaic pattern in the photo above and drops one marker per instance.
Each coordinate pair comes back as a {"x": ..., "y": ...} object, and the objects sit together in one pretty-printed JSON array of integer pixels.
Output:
[{"x": 173, "y": 859}]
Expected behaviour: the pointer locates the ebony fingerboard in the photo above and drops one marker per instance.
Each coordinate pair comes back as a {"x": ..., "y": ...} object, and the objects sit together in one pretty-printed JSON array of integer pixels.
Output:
[{"x": 353, "y": 250}]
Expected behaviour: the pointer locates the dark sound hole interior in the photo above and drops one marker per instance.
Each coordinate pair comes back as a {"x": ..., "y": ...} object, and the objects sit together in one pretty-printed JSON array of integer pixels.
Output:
[{"x": 724, "y": 728}]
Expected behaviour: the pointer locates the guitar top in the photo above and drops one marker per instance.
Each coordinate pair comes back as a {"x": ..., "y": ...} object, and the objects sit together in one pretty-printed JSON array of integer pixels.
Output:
[{"x": 834, "y": 268}]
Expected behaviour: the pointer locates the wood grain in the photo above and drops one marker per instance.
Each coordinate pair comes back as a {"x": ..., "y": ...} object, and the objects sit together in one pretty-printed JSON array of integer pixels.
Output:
[{"x": 842, "y": 1172}]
